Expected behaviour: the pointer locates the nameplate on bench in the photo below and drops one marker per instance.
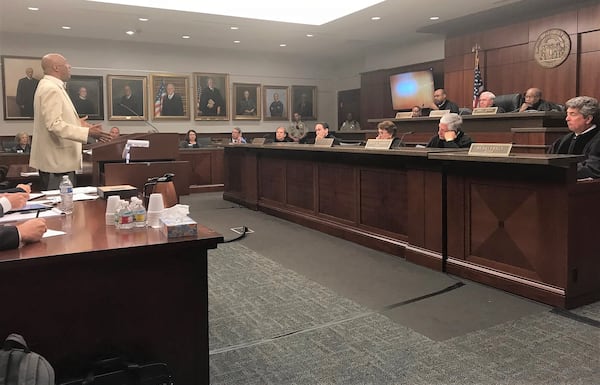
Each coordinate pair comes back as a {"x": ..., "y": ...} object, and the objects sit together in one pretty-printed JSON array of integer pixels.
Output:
[
  {"x": 485, "y": 111},
  {"x": 490, "y": 149},
  {"x": 404, "y": 115},
  {"x": 378, "y": 144},
  {"x": 258, "y": 141},
  {"x": 438, "y": 113},
  {"x": 325, "y": 142}
]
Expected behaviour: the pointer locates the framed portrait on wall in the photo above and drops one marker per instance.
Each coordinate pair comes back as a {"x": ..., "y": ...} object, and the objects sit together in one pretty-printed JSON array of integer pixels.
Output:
[
  {"x": 304, "y": 101},
  {"x": 170, "y": 99},
  {"x": 127, "y": 98},
  {"x": 87, "y": 95},
  {"x": 211, "y": 96},
  {"x": 246, "y": 101},
  {"x": 276, "y": 103},
  {"x": 20, "y": 78}
]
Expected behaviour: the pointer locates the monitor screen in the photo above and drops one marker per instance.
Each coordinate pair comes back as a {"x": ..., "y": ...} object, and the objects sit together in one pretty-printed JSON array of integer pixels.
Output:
[{"x": 411, "y": 89}]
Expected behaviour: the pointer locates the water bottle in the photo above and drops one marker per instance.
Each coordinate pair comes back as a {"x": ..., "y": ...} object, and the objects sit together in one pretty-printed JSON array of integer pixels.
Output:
[
  {"x": 139, "y": 212},
  {"x": 125, "y": 217},
  {"x": 66, "y": 195}
]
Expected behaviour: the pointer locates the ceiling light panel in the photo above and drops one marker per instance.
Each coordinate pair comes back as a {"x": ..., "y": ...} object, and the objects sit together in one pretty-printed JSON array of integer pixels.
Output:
[{"x": 312, "y": 12}]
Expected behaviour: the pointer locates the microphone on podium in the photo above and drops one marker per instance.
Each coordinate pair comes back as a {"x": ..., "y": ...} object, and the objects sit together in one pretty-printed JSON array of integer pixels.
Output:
[
  {"x": 154, "y": 129},
  {"x": 402, "y": 137}
]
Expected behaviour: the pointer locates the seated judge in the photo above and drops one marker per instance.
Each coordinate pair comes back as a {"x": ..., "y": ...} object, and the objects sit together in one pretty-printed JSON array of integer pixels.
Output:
[
  {"x": 26, "y": 232},
  {"x": 584, "y": 139},
  {"x": 190, "y": 140},
  {"x": 22, "y": 145},
  {"x": 322, "y": 132},
  {"x": 387, "y": 130},
  {"x": 236, "y": 136},
  {"x": 486, "y": 99},
  {"x": 534, "y": 102},
  {"x": 281, "y": 136},
  {"x": 449, "y": 133},
  {"x": 441, "y": 102},
  {"x": 416, "y": 111}
]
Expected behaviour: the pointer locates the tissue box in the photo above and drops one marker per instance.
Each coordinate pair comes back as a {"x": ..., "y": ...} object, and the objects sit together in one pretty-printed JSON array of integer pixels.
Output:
[{"x": 181, "y": 227}]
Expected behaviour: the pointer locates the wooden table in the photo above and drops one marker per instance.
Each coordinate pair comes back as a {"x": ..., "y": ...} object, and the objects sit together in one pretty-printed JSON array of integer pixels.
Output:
[{"x": 99, "y": 291}]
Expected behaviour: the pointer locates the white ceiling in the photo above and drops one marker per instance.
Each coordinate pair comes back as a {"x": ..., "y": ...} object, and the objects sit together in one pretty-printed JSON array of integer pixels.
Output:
[{"x": 345, "y": 37}]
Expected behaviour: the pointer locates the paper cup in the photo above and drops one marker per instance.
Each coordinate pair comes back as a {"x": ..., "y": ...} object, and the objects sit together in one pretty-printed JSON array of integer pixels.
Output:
[
  {"x": 153, "y": 218},
  {"x": 111, "y": 206},
  {"x": 156, "y": 202}
]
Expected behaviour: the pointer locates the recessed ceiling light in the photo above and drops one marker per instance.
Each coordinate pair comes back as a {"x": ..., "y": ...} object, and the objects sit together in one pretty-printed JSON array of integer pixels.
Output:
[
  {"x": 130, "y": 33},
  {"x": 309, "y": 35},
  {"x": 283, "y": 45},
  {"x": 375, "y": 18},
  {"x": 236, "y": 41},
  {"x": 65, "y": 27},
  {"x": 185, "y": 36},
  {"x": 234, "y": 28},
  {"x": 143, "y": 19},
  {"x": 33, "y": 8},
  {"x": 434, "y": 18}
]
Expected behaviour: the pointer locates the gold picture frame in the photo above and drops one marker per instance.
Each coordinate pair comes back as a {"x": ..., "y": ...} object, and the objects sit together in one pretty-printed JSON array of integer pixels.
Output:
[
  {"x": 15, "y": 86},
  {"x": 165, "y": 107},
  {"x": 276, "y": 102},
  {"x": 211, "y": 101},
  {"x": 127, "y": 97},
  {"x": 246, "y": 101},
  {"x": 304, "y": 101}
]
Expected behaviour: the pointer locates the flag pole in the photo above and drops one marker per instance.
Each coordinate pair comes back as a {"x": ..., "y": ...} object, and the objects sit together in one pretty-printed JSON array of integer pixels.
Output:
[{"x": 477, "y": 78}]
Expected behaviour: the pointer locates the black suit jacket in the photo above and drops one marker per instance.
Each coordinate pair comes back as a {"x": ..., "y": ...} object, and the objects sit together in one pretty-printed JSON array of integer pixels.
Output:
[
  {"x": 173, "y": 106},
  {"x": 9, "y": 237}
]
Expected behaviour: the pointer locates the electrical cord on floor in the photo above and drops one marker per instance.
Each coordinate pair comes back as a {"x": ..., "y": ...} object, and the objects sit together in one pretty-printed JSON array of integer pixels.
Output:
[{"x": 242, "y": 235}]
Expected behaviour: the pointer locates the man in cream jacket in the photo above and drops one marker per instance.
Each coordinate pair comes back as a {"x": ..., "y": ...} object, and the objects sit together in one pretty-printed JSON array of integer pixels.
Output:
[{"x": 58, "y": 133}]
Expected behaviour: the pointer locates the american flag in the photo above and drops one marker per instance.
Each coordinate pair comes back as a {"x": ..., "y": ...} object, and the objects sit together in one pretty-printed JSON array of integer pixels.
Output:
[
  {"x": 477, "y": 86},
  {"x": 158, "y": 102}
]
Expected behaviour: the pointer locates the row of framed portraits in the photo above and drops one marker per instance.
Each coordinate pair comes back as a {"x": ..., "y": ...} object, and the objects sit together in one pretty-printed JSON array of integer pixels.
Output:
[{"x": 158, "y": 96}]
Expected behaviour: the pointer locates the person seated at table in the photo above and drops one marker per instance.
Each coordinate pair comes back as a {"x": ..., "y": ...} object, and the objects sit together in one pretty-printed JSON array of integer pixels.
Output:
[
  {"x": 21, "y": 188},
  {"x": 350, "y": 123},
  {"x": 322, "y": 132},
  {"x": 416, "y": 111},
  {"x": 281, "y": 135},
  {"x": 387, "y": 130},
  {"x": 190, "y": 140},
  {"x": 486, "y": 99},
  {"x": 236, "y": 136},
  {"x": 22, "y": 145},
  {"x": 534, "y": 102},
  {"x": 449, "y": 133},
  {"x": 114, "y": 132},
  {"x": 584, "y": 139},
  {"x": 26, "y": 232},
  {"x": 441, "y": 102}
]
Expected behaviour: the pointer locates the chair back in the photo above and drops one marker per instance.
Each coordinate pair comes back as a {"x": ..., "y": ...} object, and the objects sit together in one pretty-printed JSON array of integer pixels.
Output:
[{"x": 509, "y": 102}]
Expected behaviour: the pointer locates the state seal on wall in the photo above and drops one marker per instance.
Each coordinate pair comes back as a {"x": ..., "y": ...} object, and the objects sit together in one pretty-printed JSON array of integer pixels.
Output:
[{"x": 552, "y": 48}]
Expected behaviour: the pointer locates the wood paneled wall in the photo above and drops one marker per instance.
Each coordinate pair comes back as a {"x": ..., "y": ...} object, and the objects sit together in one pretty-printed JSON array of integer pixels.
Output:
[
  {"x": 508, "y": 65},
  {"x": 506, "y": 62}
]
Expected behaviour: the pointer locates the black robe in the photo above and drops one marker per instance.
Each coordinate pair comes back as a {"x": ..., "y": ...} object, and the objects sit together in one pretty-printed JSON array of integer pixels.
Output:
[
  {"x": 462, "y": 141},
  {"x": 587, "y": 144}
]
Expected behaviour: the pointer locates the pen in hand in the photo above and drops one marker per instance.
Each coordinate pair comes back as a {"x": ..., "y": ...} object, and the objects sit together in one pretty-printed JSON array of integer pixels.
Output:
[{"x": 37, "y": 214}]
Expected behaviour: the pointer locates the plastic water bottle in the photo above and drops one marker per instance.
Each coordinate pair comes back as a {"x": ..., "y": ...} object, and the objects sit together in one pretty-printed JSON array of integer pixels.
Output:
[
  {"x": 125, "y": 217},
  {"x": 139, "y": 212},
  {"x": 66, "y": 195}
]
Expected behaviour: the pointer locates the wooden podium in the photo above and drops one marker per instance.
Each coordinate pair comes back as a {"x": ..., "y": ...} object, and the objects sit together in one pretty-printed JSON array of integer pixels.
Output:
[{"x": 109, "y": 167}]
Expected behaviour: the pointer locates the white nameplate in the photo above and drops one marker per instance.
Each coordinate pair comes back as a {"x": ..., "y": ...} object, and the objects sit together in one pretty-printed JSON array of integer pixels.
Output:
[
  {"x": 325, "y": 142},
  {"x": 485, "y": 111},
  {"x": 438, "y": 113},
  {"x": 490, "y": 149},
  {"x": 378, "y": 144},
  {"x": 258, "y": 141},
  {"x": 404, "y": 115}
]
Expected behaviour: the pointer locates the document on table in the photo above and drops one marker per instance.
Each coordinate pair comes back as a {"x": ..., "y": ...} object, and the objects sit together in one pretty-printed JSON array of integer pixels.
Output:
[
  {"x": 17, "y": 217},
  {"x": 52, "y": 233},
  {"x": 76, "y": 190}
]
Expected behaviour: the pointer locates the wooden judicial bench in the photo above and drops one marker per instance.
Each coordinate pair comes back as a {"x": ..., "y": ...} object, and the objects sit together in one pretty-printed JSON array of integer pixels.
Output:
[
  {"x": 523, "y": 223},
  {"x": 530, "y": 132},
  {"x": 97, "y": 291}
]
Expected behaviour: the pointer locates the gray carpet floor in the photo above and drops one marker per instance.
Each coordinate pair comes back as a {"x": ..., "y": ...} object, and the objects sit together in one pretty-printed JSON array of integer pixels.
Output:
[{"x": 282, "y": 312}]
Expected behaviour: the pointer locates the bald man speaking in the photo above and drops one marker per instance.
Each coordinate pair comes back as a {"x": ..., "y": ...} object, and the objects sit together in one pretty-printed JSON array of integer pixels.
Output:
[{"x": 58, "y": 133}]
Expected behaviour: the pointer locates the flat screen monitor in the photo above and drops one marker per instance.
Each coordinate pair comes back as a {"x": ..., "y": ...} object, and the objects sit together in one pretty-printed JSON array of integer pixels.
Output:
[{"x": 411, "y": 89}]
